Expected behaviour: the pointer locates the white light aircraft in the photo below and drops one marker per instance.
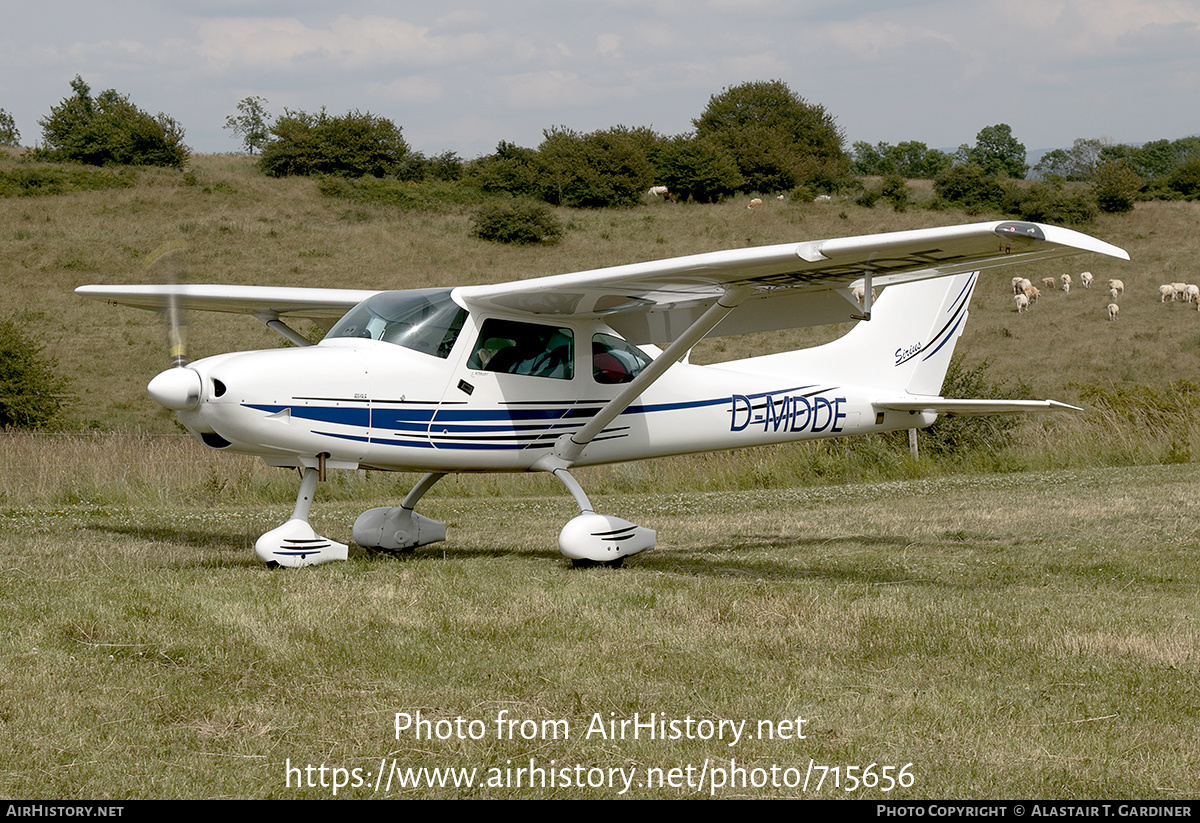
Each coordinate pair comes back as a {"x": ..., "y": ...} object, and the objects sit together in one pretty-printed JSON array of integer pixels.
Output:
[{"x": 555, "y": 372}]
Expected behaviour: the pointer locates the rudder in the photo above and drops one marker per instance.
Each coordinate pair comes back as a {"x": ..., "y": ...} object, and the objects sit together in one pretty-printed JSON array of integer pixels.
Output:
[{"x": 905, "y": 347}]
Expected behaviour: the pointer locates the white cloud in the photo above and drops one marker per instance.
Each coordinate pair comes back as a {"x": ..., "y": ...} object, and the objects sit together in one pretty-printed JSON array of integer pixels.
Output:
[{"x": 348, "y": 43}]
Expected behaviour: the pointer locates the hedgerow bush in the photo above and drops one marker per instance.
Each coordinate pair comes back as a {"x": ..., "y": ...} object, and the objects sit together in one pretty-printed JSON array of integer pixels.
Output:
[{"x": 517, "y": 221}]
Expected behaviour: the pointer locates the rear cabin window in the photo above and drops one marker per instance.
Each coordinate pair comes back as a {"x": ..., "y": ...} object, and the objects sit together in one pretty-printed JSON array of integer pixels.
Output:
[
  {"x": 616, "y": 361},
  {"x": 531, "y": 349}
]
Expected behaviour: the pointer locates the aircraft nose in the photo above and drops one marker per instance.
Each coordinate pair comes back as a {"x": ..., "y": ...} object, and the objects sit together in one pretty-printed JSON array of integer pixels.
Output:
[{"x": 177, "y": 389}]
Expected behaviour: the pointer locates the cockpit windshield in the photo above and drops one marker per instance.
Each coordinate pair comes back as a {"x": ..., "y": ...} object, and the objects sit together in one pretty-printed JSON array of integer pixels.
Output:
[{"x": 424, "y": 320}]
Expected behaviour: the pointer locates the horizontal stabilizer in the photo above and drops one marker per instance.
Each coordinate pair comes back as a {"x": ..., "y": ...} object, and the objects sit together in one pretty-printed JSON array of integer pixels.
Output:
[{"x": 970, "y": 408}]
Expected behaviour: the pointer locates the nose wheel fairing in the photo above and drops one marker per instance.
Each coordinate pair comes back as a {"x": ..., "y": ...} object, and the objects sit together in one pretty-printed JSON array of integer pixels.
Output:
[{"x": 295, "y": 544}]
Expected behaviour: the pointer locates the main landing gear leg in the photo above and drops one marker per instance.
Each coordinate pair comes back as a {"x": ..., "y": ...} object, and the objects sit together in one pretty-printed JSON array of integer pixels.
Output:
[
  {"x": 399, "y": 528},
  {"x": 295, "y": 543},
  {"x": 592, "y": 539}
]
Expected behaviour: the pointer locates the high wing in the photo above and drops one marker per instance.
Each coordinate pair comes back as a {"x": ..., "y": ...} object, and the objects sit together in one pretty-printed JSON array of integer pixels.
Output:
[
  {"x": 320, "y": 305},
  {"x": 781, "y": 286},
  {"x": 785, "y": 286},
  {"x": 271, "y": 305}
]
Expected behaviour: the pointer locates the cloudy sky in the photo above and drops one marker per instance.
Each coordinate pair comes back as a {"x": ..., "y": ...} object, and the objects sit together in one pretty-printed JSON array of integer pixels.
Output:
[{"x": 463, "y": 75}]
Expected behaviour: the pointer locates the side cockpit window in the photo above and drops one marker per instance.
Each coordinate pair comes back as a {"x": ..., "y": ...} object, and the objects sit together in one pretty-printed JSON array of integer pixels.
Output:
[
  {"x": 616, "y": 361},
  {"x": 424, "y": 320},
  {"x": 531, "y": 349}
]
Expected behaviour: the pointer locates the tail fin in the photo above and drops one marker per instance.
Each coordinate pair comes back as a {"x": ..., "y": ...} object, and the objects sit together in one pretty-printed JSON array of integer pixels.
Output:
[{"x": 905, "y": 347}]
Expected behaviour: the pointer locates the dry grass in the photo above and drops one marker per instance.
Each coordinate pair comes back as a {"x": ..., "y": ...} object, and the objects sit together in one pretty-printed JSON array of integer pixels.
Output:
[{"x": 1007, "y": 635}]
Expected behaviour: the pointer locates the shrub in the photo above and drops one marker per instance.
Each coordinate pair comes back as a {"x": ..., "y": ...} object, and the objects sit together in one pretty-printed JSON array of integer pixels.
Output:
[
  {"x": 970, "y": 188},
  {"x": 604, "y": 168},
  {"x": 31, "y": 393},
  {"x": 1116, "y": 186},
  {"x": 517, "y": 220},
  {"x": 27, "y": 179},
  {"x": 1185, "y": 179},
  {"x": 108, "y": 129},
  {"x": 1049, "y": 203},
  {"x": 958, "y": 435},
  {"x": 695, "y": 169},
  {"x": 894, "y": 189},
  {"x": 356, "y": 144}
]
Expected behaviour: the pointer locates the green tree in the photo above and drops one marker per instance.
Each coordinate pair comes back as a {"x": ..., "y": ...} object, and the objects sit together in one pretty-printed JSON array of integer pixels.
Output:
[
  {"x": 356, "y": 144},
  {"x": 108, "y": 129},
  {"x": 604, "y": 168},
  {"x": 32, "y": 394},
  {"x": 996, "y": 151},
  {"x": 9, "y": 136},
  {"x": 916, "y": 161},
  {"x": 911, "y": 159},
  {"x": 778, "y": 140},
  {"x": 511, "y": 169},
  {"x": 1115, "y": 186},
  {"x": 250, "y": 123},
  {"x": 971, "y": 188},
  {"x": 1077, "y": 163},
  {"x": 868, "y": 160},
  {"x": 696, "y": 169},
  {"x": 1185, "y": 179}
]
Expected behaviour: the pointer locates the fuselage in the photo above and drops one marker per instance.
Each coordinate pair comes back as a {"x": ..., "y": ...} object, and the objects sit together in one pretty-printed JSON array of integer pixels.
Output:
[{"x": 493, "y": 399}]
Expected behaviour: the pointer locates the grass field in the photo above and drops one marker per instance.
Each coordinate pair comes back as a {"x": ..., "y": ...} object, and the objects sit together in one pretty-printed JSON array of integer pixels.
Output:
[
  {"x": 1028, "y": 635},
  {"x": 1015, "y": 622}
]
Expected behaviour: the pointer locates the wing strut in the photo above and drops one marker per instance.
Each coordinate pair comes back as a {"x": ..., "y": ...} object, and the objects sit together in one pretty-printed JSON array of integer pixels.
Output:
[
  {"x": 271, "y": 320},
  {"x": 866, "y": 304},
  {"x": 568, "y": 447}
]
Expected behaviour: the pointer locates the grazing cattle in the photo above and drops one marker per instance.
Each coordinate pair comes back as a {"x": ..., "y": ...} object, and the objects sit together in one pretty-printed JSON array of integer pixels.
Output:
[
  {"x": 1032, "y": 292},
  {"x": 1193, "y": 293},
  {"x": 1166, "y": 292},
  {"x": 1113, "y": 293},
  {"x": 1049, "y": 283},
  {"x": 661, "y": 193},
  {"x": 1113, "y": 309},
  {"x": 754, "y": 204},
  {"x": 1022, "y": 303},
  {"x": 1086, "y": 279},
  {"x": 1117, "y": 285}
]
